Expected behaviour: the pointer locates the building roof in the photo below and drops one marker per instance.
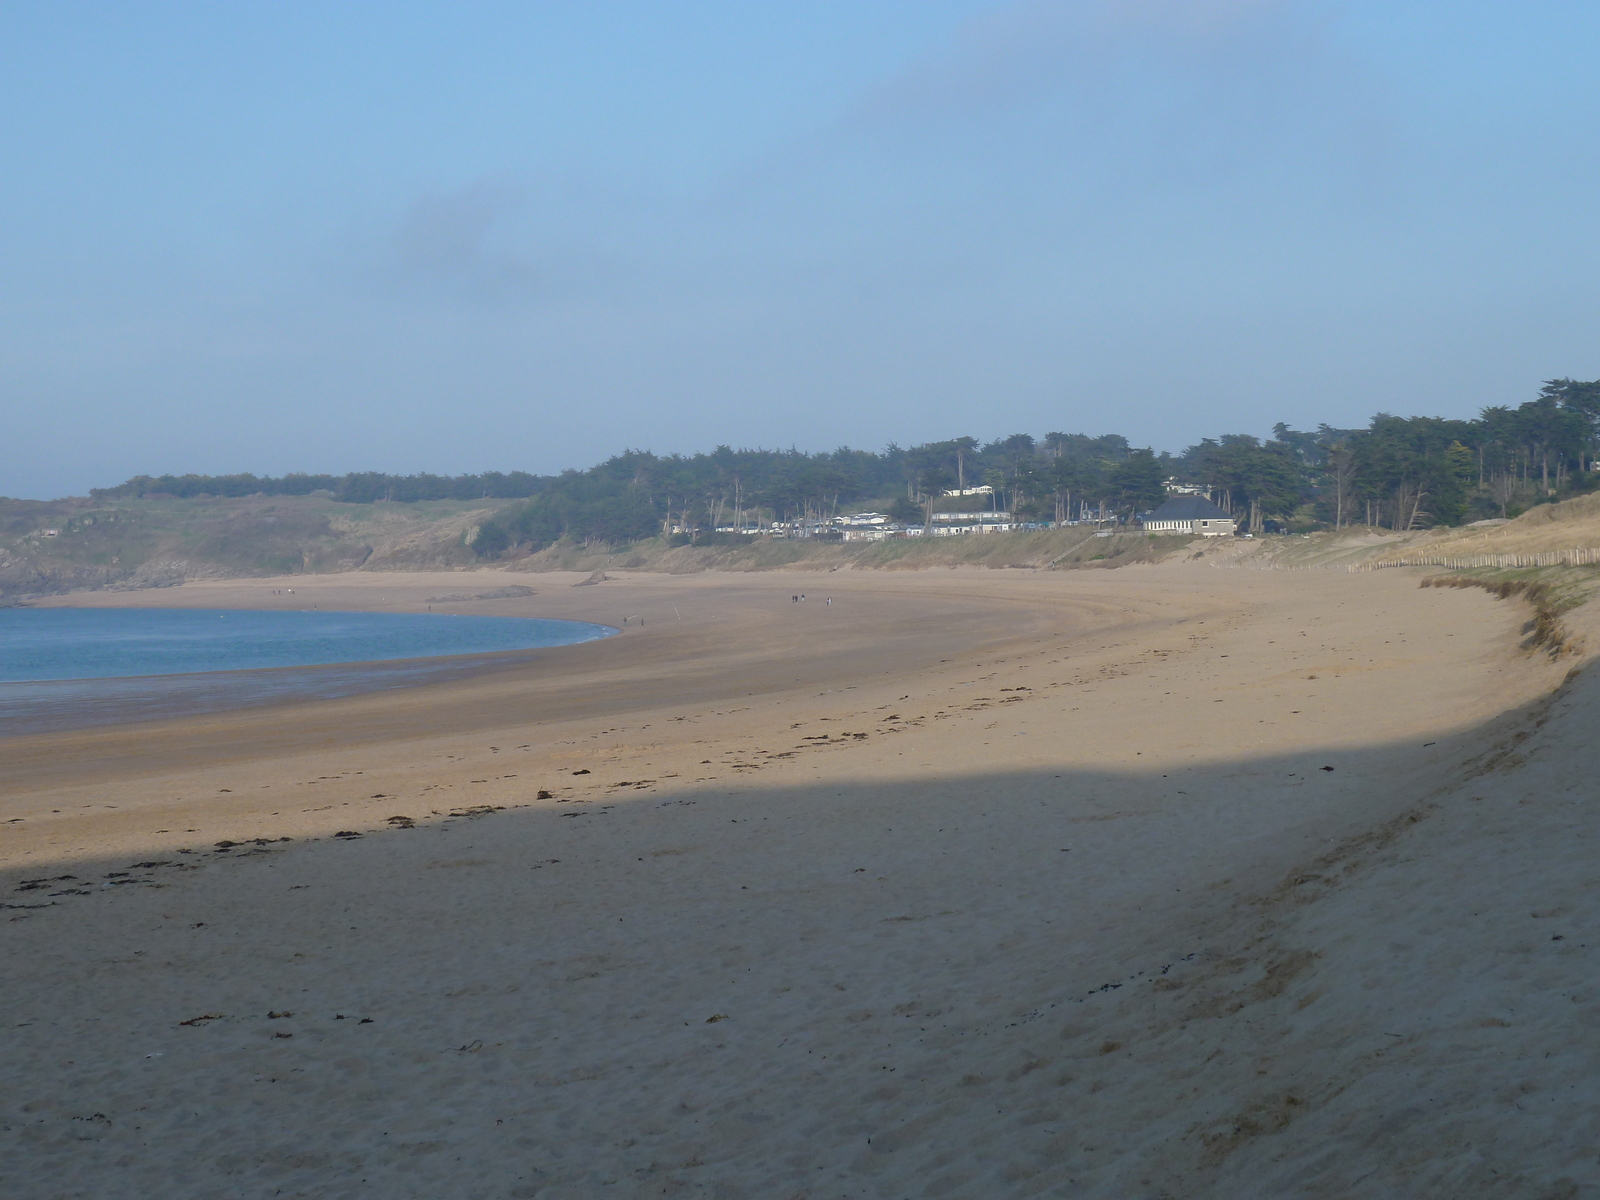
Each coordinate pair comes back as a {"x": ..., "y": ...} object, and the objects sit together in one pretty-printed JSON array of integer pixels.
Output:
[{"x": 1187, "y": 508}]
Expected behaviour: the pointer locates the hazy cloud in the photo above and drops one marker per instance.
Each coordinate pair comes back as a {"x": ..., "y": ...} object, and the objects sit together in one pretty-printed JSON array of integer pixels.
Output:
[
  {"x": 1158, "y": 85},
  {"x": 1039, "y": 47},
  {"x": 457, "y": 241},
  {"x": 508, "y": 241}
]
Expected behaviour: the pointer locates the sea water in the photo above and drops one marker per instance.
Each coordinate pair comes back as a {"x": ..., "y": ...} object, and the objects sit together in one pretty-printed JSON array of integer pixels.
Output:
[
  {"x": 101, "y": 643},
  {"x": 70, "y": 667}
]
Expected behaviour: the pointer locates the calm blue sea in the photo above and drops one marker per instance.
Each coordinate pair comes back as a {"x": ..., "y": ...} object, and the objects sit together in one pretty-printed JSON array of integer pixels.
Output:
[
  {"x": 71, "y": 667},
  {"x": 101, "y": 643}
]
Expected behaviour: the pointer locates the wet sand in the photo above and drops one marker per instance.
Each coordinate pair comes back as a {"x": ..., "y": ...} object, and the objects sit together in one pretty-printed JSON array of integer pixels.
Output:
[{"x": 966, "y": 884}]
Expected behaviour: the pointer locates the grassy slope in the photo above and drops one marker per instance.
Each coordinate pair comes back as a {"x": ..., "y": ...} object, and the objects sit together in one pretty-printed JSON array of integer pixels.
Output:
[{"x": 152, "y": 543}]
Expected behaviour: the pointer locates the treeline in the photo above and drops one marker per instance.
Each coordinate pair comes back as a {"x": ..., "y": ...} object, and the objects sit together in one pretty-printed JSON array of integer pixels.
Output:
[
  {"x": 358, "y": 487},
  {"x": 1397, "y": 473}
]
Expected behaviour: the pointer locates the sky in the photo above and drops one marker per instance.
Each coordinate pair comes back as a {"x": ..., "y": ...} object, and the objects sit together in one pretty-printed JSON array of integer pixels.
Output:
[{"x": 410, "y": 236}]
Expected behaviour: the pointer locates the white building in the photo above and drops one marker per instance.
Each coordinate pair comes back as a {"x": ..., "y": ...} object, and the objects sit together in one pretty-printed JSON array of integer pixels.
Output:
[{"x": 972, "y": 518}]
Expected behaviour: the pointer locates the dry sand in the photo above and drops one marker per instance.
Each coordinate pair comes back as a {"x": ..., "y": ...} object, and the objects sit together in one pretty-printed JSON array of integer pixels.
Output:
[{"x": 969, "y": 884}]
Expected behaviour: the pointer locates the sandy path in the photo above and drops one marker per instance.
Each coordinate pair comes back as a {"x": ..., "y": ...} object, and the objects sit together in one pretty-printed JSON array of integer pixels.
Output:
[{"x": 852, "y": 900}]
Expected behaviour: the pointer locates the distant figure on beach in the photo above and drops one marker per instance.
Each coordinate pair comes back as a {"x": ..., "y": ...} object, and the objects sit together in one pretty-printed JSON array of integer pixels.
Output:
[{"x": 830, "y": 601}]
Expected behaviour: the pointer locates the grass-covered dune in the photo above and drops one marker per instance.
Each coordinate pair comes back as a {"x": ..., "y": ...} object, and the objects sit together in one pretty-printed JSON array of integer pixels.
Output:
[{"x": 1044, "y": 549}]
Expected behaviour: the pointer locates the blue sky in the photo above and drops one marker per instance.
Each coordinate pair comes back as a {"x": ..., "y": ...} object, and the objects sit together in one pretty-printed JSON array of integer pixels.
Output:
[{"x": 413, "y": 236}]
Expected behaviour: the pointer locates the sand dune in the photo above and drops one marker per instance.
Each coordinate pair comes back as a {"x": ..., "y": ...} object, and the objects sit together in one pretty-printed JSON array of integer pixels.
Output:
[
  {"x": 970, "y": 884},
  {"x": 1566, "y": 526}
]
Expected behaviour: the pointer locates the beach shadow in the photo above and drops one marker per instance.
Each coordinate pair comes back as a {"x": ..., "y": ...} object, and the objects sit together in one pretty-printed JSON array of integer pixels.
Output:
[{"x": 1087, "y": 982}]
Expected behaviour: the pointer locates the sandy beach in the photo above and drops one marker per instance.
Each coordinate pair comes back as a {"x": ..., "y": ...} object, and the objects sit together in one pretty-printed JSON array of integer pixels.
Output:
[{"x": 1161, "y": 882}]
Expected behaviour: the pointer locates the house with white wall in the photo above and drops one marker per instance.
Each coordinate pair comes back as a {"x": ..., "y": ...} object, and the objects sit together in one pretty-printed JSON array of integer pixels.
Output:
[{"x": 1189, "y": 516}]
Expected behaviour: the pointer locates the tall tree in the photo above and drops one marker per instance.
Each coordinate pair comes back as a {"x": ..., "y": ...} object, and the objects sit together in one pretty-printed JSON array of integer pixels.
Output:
[{"x": 1137, "y": 483}]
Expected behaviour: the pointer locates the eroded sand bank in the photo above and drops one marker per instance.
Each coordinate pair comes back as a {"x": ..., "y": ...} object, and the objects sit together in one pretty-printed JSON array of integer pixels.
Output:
[{"x": 966, "y": 884}]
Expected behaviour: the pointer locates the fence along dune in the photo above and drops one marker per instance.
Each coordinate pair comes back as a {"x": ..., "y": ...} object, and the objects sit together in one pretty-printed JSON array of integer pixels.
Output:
[{"x": 1581, "y": 557}]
